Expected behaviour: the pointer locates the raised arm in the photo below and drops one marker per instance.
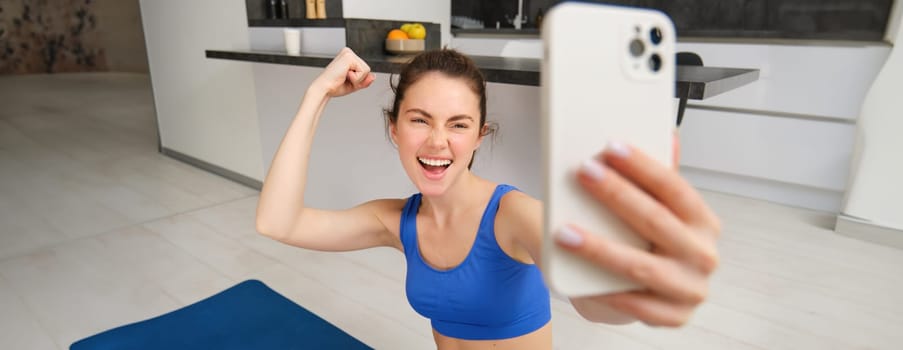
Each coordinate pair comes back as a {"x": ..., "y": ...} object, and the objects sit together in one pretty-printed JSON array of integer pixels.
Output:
[{"x": 281, "y": 213}]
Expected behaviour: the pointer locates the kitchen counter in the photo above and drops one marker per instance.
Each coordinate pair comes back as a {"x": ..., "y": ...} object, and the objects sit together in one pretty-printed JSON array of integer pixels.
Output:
[
  {"x": 509, "y": 70},
  {"x": 698, "y": 82}
]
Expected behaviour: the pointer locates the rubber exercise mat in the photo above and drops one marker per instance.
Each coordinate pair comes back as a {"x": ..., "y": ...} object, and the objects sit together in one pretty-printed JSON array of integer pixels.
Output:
[{"x": 249, "y": 315}]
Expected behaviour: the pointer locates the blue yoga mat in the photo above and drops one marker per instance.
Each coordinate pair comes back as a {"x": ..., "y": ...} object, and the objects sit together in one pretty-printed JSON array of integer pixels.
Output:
[{"x": 249, "y": 315}]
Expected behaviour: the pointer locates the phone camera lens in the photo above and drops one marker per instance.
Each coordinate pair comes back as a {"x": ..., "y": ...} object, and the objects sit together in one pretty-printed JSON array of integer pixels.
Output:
[
  {"x": 655, "y": 62},
  {"x": 655, "y": 35},
  {"x": 637, "y": 47}
]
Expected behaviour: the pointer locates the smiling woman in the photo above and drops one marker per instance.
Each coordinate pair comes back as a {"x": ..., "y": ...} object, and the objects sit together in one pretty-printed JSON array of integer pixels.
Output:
[
  {"x": 448, "y": 64},
  {"x": 471, "y": 245}
]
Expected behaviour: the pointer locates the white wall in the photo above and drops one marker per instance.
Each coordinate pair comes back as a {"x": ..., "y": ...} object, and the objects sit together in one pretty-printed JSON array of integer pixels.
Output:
[
  {"x": 876, "y": 191},
  {"x": 205, "y": 108}
]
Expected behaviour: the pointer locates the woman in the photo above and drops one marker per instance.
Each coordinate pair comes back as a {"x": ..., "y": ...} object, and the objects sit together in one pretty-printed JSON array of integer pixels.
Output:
[{"x": 472, "y": 245}]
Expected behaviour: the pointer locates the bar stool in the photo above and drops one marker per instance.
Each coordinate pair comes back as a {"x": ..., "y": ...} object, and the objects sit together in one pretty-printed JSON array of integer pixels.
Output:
[{"x": 683, "y": 90}]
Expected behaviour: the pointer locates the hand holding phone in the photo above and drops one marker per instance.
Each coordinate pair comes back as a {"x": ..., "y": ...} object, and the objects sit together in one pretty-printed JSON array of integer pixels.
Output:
[{"x": 608, "y": 75}]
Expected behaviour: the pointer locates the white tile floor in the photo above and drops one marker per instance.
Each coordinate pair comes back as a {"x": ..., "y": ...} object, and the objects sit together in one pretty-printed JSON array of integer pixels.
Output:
[{"x": 98, "y": 230}]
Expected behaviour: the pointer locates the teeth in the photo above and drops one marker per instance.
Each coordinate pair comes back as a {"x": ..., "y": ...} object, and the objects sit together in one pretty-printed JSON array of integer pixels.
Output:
[{"x": 435, "y": 162}]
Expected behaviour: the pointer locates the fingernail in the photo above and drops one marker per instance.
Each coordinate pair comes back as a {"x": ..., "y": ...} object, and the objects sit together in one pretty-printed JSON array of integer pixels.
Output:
[
  {"x": 619, "y": 149},
  {"x": 593, "y": 169},
  {"x": 568, "y": 237}
]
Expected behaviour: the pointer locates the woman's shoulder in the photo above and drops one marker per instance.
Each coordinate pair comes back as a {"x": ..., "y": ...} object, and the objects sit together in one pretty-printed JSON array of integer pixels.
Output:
[
  {"x": 515, "y": 195},
  {"x": 388, "y": 211},
  {"x": 517, "y": 203},
  {"x": 518, "y": 225}
]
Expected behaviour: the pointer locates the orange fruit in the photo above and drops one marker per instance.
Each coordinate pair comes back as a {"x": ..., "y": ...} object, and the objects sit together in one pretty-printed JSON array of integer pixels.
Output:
[{"x": 397, "y": 34}]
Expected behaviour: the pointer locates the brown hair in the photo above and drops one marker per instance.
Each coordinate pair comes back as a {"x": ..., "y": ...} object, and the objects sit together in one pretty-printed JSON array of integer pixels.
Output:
[{"x": 450, "y": 63}]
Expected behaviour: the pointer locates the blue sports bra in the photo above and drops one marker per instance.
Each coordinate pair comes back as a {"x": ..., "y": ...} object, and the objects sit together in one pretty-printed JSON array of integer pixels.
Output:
[{"x": 488, "y": 296}]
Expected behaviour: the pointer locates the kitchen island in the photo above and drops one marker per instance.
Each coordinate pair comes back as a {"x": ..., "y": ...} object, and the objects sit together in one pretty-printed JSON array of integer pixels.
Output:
[{"x": 703, "y": 82}]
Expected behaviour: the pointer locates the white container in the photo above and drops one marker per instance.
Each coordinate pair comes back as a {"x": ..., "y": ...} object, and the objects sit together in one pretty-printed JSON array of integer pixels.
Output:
[{"x": 292, "y": 41}]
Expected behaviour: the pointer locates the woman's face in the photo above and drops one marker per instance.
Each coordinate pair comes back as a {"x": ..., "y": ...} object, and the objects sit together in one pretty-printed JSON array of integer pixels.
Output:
[{"x": 437, "y": 131}]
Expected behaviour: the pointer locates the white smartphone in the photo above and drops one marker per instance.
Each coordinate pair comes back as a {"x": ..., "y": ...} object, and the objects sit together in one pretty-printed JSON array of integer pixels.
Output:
[{"x": 607, "y": 74}]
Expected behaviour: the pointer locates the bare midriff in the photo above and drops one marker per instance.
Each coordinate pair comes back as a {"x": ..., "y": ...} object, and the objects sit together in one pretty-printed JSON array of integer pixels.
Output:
[{"x": 540, "y": 339}]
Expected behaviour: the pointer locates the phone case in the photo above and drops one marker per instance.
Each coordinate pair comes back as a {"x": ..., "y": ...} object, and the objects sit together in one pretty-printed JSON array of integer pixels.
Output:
[{"x": 598, "y": 84}]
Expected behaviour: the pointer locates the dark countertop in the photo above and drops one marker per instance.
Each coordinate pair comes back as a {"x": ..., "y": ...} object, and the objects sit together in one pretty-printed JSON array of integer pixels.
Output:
[
  {"x": 488, "y": 32},
  {"x": 704, "y": 82},
  {"x": 701, "y": 82},
  {"x": 509, "y": 70}
]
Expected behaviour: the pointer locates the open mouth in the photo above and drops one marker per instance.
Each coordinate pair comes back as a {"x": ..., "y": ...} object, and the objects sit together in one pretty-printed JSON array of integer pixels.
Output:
[{"x": 433, "y": 166}]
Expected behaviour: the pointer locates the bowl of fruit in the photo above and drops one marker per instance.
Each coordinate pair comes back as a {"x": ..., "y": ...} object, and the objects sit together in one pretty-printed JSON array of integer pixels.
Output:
[{"x": 407, "y": 40}]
